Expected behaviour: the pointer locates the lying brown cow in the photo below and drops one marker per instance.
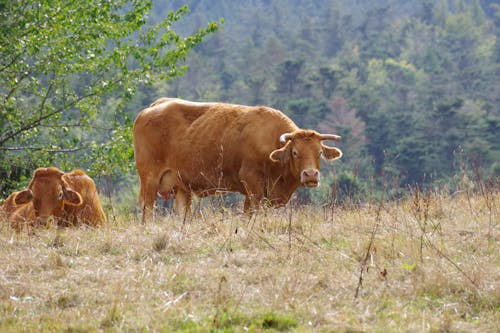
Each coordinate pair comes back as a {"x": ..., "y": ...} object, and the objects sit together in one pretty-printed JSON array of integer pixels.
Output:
[
  {"x": 184, "y": 147},
  {"x": 70, "y": 198},
  {"x": 8, "y": 207}
]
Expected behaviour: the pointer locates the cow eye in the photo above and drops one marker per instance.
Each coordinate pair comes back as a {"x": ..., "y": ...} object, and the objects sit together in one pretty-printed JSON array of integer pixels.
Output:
[
  {"x": 61, "y": 194},
  {"x": 295, "y": 153}
]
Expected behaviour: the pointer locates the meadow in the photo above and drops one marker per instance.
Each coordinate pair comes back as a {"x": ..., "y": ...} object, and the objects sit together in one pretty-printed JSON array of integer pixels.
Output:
[{"x": 427, "y": 263}]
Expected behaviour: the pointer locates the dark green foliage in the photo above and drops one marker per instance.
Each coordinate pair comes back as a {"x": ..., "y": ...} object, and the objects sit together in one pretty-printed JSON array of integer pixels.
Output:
[
  {"x": 278, "y": 322},
  {"x": 349, "y": 187},
  {"x": 231, "y": 321}
]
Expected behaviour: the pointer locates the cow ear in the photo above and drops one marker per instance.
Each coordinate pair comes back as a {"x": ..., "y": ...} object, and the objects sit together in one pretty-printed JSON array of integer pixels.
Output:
[
  {"x": 71, "y": 197},
  {"x": 331, "y": 153},
  {"x": 23, "y": 197},
  {"x": 281, "y": 155}
]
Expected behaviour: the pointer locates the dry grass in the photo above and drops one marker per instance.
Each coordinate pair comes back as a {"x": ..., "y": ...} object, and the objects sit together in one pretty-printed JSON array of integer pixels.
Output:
[{"x": 429, "y": 264}]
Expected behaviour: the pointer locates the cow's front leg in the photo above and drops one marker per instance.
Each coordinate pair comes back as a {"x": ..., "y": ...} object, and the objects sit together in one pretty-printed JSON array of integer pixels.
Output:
[{"x": 253, "y": 184}]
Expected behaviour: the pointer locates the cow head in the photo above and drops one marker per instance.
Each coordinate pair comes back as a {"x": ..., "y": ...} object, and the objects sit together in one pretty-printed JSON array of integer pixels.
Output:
[
  {"x": 302, "y": 152},
  {"x": 48, "y": 192}
]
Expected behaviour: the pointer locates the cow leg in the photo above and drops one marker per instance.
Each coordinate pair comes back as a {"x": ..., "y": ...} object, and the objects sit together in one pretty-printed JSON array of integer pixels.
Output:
[
  {"x": 147, "y": 198},
  {"x": 254, "y": 189},
  {"x": 182, "y": 203}
]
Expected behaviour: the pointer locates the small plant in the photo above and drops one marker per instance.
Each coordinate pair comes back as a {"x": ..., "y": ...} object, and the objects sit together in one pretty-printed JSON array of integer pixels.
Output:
[
  {"x": 409, "y": 267},
  {"x": 160, "y": 243},
  {"x": 67, "y": 301},
  {"x": 113, "y": 317},
  {"x": 278, "y": 322}
]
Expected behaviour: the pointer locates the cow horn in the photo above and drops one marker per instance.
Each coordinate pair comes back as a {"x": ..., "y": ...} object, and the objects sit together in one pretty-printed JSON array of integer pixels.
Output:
[
  {"x": 285, "y": 137},
  {"x": 330, "y": 137}
]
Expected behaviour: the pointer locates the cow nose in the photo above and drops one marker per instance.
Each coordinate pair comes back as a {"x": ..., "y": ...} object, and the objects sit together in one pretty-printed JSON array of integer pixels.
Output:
[
  {"x": 310, "y": 174},
  {"x": 310, "y": 177}
]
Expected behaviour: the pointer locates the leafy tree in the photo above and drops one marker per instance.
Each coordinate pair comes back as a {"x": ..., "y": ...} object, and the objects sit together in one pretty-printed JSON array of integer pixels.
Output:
[
  {"x": 59, "y": 62},
  {"x": 289, "y": 77},
  {"x": 349, "y": 187},
  {"x": 343, "y": 121}
]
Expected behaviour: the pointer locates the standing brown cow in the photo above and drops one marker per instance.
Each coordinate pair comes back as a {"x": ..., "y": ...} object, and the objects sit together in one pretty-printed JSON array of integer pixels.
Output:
[
  {"x": 70, "y": 198},
  {"x": 185, "y": 147}
]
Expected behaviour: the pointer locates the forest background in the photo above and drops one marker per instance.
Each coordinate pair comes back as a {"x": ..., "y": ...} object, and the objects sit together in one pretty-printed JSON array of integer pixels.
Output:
[{"x": 412, "y": 86}]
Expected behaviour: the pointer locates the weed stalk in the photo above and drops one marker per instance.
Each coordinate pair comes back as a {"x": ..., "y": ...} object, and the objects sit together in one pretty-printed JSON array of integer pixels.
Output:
[{"x": 364, "y": 263}]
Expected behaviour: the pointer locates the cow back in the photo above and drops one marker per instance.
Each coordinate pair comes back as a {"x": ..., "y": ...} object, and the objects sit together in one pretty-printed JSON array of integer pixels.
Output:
[{"x": 160, "y": 130}]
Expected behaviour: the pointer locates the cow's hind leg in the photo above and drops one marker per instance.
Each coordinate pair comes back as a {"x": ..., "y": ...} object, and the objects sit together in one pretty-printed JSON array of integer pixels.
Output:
[{"x": 147, "y": 197}]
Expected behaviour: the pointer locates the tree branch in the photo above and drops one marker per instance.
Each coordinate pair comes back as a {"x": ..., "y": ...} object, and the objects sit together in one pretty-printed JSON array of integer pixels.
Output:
[
  {"x": 14, "y": 59},
  {"x": 38, "y": 121},
  {"x": 61, "y": 150}
]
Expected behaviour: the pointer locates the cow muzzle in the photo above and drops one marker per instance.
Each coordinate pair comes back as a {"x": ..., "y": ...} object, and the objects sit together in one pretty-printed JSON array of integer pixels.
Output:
[{"x": 309, "y": 177}]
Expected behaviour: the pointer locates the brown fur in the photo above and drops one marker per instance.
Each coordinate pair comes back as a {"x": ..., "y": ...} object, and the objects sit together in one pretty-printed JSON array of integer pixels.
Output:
[
  {"x": 70, "y": 198},
  {"x": 7, "y": 207},
  {"x": 205, "y": 148}
]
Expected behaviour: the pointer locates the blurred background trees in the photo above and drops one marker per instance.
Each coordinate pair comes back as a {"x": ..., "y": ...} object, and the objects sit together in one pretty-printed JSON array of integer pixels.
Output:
[{"x": 412, "y": 86}]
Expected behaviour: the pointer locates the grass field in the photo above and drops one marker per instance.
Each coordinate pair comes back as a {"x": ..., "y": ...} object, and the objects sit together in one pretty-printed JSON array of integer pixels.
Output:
[{"x": 430, "y": 263}]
